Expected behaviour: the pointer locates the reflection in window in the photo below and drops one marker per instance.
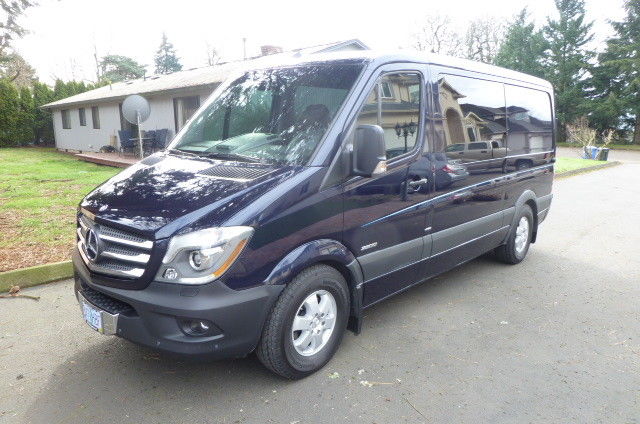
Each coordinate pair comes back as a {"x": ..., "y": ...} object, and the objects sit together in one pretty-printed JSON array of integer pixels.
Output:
[
  {"x": 397, "y": 114},
  {"x": 385, "y": 90},
  {"x": 473, "y": 118},
  {"x": 273, "y": 116},
  {"x": 530, "y": 123},
  {"x": 183, "y": 109}
]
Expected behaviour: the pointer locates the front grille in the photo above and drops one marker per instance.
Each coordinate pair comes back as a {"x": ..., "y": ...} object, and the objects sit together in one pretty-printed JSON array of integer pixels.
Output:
[
  {"x": 237, "y": 173},
  {"x": 112, "y": 251},
  {"x": 104, "y": 302}
]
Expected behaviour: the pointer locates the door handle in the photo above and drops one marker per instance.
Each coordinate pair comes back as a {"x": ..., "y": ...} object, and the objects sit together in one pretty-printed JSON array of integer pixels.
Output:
[{"x": 418, "y": 183}]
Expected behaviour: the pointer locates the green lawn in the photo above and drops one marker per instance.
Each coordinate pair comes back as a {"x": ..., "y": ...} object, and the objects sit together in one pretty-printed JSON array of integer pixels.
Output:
[
  {"x": 570, "y": 164},
  {"x": 610, "y": 146},
  {"x": 39, "y": 192}
]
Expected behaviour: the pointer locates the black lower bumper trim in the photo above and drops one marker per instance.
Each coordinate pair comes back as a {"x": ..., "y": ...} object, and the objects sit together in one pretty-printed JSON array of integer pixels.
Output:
[{"x": 156, "y": 312}]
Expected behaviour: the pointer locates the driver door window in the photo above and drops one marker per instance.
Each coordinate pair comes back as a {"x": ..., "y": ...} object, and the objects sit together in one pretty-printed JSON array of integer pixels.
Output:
[{"x": 394, "y": 104}]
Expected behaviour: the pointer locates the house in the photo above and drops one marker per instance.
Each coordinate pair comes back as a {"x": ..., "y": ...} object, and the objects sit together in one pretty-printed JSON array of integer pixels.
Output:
[{"x": 90, "y": 120}]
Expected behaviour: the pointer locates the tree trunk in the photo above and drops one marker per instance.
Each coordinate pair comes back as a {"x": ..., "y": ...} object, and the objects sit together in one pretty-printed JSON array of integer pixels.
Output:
[{"x": 636, "y": 130}]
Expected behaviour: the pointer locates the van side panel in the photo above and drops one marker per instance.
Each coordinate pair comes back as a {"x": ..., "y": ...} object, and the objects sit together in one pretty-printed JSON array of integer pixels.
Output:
[{"x": 501, "y": 146}]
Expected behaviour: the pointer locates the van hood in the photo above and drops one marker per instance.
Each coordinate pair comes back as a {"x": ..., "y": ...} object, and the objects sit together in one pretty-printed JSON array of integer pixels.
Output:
[{"x": 163, "y": 193}]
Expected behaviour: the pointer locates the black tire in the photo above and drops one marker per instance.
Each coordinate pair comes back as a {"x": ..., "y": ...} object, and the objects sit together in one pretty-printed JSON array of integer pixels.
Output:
[
  {"x": 507, "y": 252},
  {"x": 275, "y": 349}
]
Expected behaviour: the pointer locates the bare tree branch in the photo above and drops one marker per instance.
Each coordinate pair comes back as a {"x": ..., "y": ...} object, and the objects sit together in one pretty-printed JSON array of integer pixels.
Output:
[{"x": 437, "y": 36}]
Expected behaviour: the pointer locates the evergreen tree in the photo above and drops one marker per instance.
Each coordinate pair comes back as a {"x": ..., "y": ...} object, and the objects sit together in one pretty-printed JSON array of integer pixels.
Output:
[
  {"x": 116, "y": 68},
  {"x": 9, "y": 112},
  {"x": 60, "y": 90},
  {"x": 25, "y": 119},
  {"x": 618, "y": 76},
  {"x": 166, "y": 59},
  {"x": 523, "y": 47},
  {"x": 43, "y": 124},
  {"x": 567, "y": 62}
]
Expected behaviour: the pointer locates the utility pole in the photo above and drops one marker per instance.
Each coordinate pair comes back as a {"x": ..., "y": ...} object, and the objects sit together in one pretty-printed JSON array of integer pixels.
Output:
[{"x": 244, "y": 48}]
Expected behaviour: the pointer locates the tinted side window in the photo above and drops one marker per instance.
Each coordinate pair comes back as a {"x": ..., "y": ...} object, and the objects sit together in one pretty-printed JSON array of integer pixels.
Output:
[
  {"x": 530, "y": 123},
  {"x": 394, "y": 104},
  {"x": 473, "y": 114}
]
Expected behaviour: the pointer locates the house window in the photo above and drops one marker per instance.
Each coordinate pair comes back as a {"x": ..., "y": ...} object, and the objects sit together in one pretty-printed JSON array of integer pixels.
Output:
[
  {"x": 183, "y": 109},
  {"x": 66, "y": 122},
  {"x": 83, "y": 117},
  {"x": 471, "y": 133},
  {"x": 95, "y": 116},
  {"x": 385, "y": 90}
]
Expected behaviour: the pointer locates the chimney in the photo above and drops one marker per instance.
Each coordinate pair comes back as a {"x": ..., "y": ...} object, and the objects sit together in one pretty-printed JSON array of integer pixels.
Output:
[{"x": 267, "y": 50}]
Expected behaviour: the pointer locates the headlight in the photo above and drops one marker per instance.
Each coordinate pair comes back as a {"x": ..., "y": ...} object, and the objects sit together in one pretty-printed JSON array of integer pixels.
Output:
[{"x": 202, "y": 256}]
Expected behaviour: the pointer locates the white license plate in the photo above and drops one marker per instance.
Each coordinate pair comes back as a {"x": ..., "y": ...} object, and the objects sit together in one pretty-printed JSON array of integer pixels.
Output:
[{"x": 92, "y": 316}]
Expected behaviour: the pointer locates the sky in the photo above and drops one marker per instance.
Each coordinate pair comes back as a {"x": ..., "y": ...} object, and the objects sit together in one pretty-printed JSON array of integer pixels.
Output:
[{"x": 64, "y": 34}]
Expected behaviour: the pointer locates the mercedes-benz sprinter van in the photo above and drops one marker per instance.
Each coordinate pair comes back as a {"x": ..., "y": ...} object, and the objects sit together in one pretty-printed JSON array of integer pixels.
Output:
[{"x": 303, "y": 193}]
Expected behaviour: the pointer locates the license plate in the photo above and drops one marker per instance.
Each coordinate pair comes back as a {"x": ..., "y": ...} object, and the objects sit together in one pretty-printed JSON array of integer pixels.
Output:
[{"x": 92, "y": 316}]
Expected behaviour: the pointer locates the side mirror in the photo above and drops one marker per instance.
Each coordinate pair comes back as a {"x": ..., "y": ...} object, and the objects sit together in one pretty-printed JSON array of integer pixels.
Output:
[{"x": 369, "y": 153}]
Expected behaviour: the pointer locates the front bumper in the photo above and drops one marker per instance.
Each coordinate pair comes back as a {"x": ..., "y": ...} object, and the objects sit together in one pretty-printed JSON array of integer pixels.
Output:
[{"x": 151, "y": 316}]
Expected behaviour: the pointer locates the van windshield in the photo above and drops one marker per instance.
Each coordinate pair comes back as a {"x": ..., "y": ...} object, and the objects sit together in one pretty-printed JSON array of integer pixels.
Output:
[{"x": 275, "y": 116}]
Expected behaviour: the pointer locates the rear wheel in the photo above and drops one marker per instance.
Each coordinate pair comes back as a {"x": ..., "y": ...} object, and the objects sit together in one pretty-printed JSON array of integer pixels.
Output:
[
  {"x": 517, "y": 245},
  {"x": 306, "y": 325}
]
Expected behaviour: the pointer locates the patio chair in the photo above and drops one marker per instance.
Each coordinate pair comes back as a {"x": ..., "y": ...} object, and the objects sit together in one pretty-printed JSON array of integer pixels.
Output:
[
  {"x": 149, "y": 142},
  {"x": 126, "y": 143},
  {"x": 161, "y": 139}
]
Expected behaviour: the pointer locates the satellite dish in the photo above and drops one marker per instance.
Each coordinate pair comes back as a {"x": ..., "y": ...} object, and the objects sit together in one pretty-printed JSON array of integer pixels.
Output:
[{"x": 136, "y": 110}]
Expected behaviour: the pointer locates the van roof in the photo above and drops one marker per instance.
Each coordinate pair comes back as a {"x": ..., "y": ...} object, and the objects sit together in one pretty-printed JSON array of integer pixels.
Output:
[{"x": 376, "y": 57}]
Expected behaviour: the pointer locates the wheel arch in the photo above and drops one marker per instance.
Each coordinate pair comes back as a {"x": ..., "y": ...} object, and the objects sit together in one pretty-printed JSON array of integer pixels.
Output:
[
  {"x": 529, "y": 198},
  {"x": 329, "y": 252}
]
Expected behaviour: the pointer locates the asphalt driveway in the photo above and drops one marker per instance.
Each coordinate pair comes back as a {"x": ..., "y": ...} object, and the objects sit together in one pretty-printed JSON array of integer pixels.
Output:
[{"x": 555, "y": 339}]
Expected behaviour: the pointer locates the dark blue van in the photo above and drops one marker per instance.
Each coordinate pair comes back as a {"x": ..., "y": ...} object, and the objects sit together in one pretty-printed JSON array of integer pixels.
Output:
[{"x": 303, "y": 193}]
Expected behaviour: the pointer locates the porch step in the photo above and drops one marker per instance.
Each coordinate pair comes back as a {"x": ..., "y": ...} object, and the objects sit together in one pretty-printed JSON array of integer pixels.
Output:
[{"x": 108, "y": 159}]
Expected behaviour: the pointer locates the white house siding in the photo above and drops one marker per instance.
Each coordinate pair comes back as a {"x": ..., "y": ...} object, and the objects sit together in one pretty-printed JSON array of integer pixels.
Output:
[{"x": 88, "y": 139}]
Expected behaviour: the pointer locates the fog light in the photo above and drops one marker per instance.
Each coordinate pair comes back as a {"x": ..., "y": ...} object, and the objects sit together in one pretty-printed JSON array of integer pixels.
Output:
[
  {"x": 170, "y": 274},
  {"x": 198, "y": 327}
]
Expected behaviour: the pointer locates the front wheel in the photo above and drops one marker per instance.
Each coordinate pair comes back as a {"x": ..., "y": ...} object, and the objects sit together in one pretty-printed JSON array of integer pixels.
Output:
[
  {"x": 306, "y": 325},
  {"x": 517, "y": 245}
]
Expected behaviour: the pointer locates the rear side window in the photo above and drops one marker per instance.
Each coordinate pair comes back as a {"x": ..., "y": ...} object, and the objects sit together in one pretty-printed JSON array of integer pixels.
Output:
[
  {"x": 394, "y": 104},
  {"x": 473, "y": 115},
  {"x": 477, "y": 146},
  {"x": 529, "y": 120}
]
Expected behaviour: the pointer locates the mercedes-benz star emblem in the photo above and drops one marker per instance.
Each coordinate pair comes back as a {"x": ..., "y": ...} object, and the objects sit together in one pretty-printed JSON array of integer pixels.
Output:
[{"x": 92, "y": 245}]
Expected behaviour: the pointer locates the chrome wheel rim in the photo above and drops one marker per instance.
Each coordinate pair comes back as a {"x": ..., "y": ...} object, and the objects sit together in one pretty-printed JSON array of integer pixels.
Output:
[
  {"x": 522, "y": 234},
  {"x": 314, "y": 322}
]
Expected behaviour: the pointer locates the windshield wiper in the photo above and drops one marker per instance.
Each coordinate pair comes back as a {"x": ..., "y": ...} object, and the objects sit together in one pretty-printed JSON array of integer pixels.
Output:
[
  {"x": 229, "y": 156},
  {"x": 182, "y": 152}
]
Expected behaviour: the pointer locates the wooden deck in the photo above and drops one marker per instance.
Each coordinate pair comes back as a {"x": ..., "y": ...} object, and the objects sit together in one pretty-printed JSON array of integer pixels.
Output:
[{"x": 108, "y": 159}]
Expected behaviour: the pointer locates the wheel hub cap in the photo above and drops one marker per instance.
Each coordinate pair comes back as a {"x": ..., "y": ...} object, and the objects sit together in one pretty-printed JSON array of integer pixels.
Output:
[
  {"x": 314, "y": 322},
  {"x": 522, "y": 234}
]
